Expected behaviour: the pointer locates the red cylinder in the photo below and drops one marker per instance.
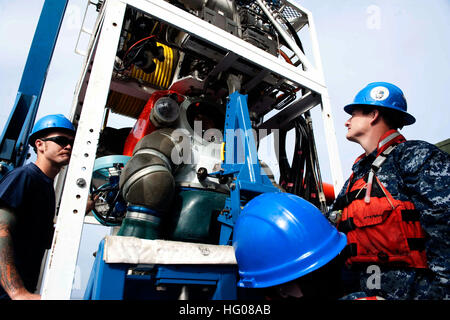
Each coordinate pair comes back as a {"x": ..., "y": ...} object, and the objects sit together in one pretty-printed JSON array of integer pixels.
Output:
[
  {"x": 143, "y": 125},
  {"x": 328, "y": 190}
]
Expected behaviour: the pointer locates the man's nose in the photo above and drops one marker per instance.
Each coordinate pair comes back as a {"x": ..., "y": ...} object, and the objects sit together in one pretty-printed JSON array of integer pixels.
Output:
[{"x": 347, "y": 123}]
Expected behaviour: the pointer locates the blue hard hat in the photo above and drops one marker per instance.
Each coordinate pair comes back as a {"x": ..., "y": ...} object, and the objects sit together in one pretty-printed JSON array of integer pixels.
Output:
[
  {"x": 280, "y": 237},
  {"x": 52, "y": 122},
  {"x": 385, "y": 95}
]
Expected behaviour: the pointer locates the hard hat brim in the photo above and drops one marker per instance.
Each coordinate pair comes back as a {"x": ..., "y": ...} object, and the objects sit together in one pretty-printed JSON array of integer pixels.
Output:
[
  {"x": 407, "y": 119},
  {"x": 43, "y": 132}
]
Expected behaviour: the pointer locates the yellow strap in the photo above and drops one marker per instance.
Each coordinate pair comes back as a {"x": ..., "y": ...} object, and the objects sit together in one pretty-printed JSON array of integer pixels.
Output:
[{"x": 222, "y": 152}]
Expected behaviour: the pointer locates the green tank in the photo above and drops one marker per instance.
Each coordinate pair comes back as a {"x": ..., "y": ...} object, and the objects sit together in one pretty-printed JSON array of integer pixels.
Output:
[{"x": 194, "y": 216}]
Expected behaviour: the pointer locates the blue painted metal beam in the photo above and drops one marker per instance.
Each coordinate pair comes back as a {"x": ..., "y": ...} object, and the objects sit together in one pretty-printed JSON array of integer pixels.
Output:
[
  {"x": 241, "y": 163},
  {"x": 14, "y": 138},
  {"x": 107, "y": 281}
]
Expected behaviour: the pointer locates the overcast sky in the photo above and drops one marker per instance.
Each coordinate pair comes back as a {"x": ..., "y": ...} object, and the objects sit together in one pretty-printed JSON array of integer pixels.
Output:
[{"x": 405, "y": 42}]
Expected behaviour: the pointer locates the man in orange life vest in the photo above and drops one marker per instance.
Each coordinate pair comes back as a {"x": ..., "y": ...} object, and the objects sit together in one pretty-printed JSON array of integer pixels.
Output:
[{"x": 395, "y": 206}]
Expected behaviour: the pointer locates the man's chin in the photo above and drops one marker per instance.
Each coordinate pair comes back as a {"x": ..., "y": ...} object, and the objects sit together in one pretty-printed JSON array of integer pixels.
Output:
[
  {"x": 351, "y": 138},
  {"x": 64, "y": 161}
]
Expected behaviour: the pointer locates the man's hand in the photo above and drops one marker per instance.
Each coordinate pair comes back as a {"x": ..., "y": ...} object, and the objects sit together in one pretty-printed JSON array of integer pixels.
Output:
[
  {"x": 23, "y": 294},
  {"x": 91, "y": 202},
  {"x": 334, "y": 216}
]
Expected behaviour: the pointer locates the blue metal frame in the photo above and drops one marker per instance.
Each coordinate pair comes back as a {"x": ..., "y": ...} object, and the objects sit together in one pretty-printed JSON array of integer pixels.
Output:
[
  {"x": 241, "y": 164},
  {"x": 14, "y": 139},
  {"x": 107, "y": 281}
]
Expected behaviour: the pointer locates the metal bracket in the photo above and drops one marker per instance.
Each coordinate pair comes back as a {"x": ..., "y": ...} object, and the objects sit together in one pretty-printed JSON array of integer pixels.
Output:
[{"x": 241, "y": 163}]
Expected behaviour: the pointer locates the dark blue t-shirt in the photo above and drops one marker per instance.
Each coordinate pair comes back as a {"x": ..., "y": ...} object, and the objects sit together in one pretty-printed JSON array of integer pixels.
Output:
[{"x": 29, "y": 193}]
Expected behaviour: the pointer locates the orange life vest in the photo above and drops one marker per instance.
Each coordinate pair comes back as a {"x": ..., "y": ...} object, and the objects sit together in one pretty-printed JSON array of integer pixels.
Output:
[{"x": 379, "y": 228}]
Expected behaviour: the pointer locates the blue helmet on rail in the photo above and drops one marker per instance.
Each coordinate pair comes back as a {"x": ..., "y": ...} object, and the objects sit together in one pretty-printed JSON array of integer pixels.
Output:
[
  {"x": 280, "y": 237},
  {"x": 49, "y": 123},
  {"x": 384, "y": 95}
]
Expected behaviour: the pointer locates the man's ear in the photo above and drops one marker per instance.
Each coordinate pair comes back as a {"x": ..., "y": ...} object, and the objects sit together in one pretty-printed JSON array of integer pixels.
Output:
[
  {"x": 39, "y": 145},
  {"x": 375, "y": 116}
]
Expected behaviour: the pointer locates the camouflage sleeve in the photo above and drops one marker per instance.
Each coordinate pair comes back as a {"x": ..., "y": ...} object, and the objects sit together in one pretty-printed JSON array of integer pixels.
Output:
[{"x": 426, "y": 177}]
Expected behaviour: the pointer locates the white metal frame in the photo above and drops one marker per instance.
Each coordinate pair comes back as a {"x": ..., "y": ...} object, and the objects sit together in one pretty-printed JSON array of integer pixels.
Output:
[{"x": 62, "y": 258}]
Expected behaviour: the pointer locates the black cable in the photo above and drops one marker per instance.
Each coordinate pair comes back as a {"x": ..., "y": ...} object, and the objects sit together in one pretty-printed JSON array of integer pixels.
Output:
[
  {"x": 102, "y": 217},
  {"x": 300, "y": 178},
  {"x": 294, "y": 35}
]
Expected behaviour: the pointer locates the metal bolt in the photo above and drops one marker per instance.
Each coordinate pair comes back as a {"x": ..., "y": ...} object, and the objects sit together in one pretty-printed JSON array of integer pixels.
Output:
[
  {"x": 81, "y": 182},
  {"x": 202, "y": 174}
]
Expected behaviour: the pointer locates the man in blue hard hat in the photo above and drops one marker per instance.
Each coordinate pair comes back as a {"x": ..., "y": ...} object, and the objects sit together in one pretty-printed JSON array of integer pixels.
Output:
[
  {"x": 286, "y": 249},
  {"x": 27, "y": 208},
  {"x": 395, "y": 206}
]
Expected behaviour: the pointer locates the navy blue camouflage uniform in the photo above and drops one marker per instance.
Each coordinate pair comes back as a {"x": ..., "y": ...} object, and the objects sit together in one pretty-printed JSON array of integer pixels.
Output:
[{"x": 419, "y": 172}]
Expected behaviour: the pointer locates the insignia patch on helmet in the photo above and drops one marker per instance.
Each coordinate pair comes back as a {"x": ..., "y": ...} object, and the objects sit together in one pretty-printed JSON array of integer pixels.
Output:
[{"x": 379, "y": 93}]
